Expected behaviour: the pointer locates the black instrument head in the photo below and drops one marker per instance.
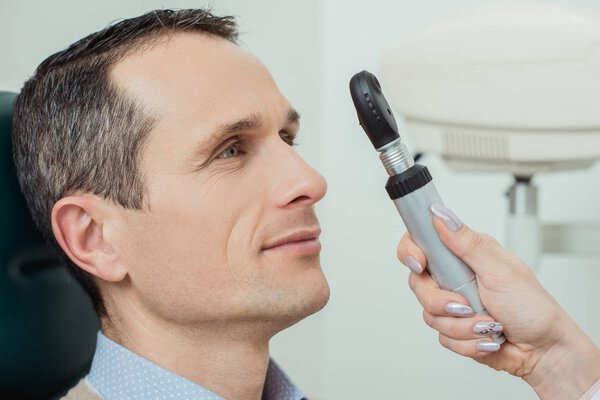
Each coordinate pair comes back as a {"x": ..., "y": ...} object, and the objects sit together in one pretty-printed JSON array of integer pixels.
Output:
[{"x": 374, "y": 112}]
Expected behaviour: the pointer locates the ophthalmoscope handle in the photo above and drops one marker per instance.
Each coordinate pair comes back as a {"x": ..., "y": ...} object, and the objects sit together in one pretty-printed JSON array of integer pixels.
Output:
[
  {"x": 449, "y": 271},
  {"x": 411, "y": 188}
]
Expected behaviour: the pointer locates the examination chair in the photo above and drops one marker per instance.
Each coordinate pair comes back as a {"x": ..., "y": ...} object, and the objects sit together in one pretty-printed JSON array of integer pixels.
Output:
[{"x": 47, "y": 323}]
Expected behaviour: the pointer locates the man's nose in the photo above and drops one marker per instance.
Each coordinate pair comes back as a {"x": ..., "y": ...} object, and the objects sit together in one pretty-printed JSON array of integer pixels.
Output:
[{"x": 296, "y": 182}]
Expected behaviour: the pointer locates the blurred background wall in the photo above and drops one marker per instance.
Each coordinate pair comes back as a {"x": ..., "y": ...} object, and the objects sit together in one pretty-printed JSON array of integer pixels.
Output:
[{"x": 370, "y": 342}]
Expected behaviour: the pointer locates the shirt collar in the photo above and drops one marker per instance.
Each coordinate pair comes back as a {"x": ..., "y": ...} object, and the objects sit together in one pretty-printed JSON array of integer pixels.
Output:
[{"x": 118, "y": 373}]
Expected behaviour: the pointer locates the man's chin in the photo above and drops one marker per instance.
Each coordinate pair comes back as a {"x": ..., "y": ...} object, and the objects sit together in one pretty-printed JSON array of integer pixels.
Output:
[
  {"x": 287, "y": 301},
  {"x": 311, "y": 302},
  {"x": 318, "y": 301}
]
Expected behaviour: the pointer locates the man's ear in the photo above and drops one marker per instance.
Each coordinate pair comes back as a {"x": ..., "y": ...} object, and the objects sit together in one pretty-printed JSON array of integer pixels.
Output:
[{"x": 78, "y": 223}]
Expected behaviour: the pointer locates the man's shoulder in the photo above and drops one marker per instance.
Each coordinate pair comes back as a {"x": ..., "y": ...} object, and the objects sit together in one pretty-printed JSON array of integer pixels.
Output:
[{"x": 82, "y": 391}]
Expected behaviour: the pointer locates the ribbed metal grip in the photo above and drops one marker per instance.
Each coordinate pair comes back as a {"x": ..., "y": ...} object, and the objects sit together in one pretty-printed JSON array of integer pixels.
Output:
[{"x": 449, "y": 271}]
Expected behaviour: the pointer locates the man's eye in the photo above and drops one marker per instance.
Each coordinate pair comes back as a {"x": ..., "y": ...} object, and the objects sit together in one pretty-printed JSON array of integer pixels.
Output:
[
  {"x": 232, "y": 151},
  {"x": 288, "y": 138}
]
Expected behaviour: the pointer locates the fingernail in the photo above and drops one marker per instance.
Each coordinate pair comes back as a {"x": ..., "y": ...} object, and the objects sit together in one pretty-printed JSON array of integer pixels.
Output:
[
  {"x": 487, "y": 328},
  {"x": 413, "y": 264},
  {"x": 445, "y": 214},
  {"x": 488, "y": 347},
  {"x": 458, "y": 309}
]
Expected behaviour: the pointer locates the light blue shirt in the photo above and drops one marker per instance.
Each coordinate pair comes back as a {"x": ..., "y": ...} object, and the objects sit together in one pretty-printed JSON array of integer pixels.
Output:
[{"x": 119, "y": 374}]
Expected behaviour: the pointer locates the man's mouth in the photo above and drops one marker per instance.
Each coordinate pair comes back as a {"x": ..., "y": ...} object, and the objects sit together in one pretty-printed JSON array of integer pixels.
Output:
[{"x": 305, "y": 241}]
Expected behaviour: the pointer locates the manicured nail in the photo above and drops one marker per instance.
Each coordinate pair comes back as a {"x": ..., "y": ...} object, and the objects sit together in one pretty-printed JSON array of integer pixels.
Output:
[
  {"x": 487, "y": 328},
  {"x": 445, "y": 214},
  {"x": 488, "y": 347},
  {"x": 458, "y": 309},
  {"x": 413, "y": 264}
]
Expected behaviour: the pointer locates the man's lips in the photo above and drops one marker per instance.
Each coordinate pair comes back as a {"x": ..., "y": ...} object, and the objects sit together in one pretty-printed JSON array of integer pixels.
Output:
[{"x": 305, "y": 239}]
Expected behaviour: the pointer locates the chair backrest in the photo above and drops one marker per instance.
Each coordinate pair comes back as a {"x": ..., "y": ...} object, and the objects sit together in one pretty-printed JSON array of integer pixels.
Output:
[{"x": 47, "y": 324}]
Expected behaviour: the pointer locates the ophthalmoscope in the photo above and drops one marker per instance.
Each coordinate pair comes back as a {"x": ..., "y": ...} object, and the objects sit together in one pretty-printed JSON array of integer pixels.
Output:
[{"x": 411, "y": 188}]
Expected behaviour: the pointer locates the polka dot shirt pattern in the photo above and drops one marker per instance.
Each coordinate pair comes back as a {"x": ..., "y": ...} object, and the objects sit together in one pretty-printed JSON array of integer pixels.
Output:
[{"x": 120, "y": 374}]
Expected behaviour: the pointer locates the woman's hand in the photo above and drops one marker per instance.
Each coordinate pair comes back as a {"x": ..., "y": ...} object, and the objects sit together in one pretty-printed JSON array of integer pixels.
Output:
[{"x": 545, "y": 347}]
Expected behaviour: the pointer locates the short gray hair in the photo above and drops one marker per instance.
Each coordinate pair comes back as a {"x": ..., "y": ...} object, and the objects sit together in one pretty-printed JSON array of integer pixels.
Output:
[{"x": 75, "y": 131}]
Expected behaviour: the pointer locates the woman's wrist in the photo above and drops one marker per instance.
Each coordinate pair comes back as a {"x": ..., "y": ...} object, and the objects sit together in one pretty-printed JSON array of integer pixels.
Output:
[{"x": 568, "y": 368}]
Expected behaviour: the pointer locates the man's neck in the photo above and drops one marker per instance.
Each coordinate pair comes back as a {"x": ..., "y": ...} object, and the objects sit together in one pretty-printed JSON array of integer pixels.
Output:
[{"x": 229, "y": 363}]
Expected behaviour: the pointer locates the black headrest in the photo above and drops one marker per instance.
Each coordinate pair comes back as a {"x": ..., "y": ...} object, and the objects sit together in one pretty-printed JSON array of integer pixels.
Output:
[{"x": 47, "y": 324}]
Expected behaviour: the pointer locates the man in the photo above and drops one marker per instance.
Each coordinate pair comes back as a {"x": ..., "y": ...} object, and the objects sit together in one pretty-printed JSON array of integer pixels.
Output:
[{"x": 157, "y": 155}]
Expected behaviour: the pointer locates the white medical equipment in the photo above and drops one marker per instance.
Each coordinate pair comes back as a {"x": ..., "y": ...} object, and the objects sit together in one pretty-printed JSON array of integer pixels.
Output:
[{"x": 509, "y": 87}]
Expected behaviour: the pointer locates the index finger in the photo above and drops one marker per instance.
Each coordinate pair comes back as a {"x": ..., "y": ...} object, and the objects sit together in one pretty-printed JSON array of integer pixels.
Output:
[
  {"x": 437, "y": 301},
  {"x": 411, "y": 255}
]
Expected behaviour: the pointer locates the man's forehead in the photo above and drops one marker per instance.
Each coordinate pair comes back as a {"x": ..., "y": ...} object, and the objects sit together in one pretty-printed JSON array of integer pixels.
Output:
[
  {"x": 188, "y": 69},
  {"x": 197, "y": 86}
]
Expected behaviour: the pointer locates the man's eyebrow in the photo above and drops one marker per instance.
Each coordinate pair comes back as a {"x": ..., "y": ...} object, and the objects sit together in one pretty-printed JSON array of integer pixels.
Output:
[
  {"x": 293, "y": 117},
  {"x": 252, "y": 122}
]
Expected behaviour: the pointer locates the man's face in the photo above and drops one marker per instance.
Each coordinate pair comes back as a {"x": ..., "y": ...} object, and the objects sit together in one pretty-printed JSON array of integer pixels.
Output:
[{"x": 231, "y": 233}]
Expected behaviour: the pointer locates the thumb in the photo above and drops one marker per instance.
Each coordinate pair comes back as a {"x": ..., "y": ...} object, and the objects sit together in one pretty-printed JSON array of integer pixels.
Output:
[{"x": 477, "y": 250}]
